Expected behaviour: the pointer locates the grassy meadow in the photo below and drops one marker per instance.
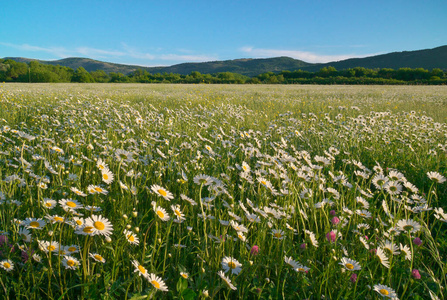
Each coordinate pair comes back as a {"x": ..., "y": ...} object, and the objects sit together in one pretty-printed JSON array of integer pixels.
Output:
[{"x": 132, "y": 191}]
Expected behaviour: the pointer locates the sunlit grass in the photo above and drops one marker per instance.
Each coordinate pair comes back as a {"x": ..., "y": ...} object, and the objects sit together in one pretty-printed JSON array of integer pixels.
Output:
[{"x": 194, "y": 191}]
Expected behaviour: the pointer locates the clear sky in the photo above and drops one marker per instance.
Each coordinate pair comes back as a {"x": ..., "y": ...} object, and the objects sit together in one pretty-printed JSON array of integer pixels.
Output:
[{"x": 167, "y": 32}]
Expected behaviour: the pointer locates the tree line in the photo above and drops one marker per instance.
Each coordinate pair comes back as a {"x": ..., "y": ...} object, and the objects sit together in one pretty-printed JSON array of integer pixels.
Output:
[{"x": 12, "y": 71}]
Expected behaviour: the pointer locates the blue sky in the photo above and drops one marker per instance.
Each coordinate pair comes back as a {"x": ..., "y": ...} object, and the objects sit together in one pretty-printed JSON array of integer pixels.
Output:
[{"x": 165, "y": 32}]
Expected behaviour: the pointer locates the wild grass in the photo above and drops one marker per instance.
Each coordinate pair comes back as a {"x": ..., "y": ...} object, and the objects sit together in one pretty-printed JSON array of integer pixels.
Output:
[{"x": 194, "y": 191}]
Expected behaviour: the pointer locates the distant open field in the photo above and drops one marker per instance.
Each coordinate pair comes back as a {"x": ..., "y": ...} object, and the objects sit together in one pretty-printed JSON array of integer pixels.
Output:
[{"x": 131, "y": 191}]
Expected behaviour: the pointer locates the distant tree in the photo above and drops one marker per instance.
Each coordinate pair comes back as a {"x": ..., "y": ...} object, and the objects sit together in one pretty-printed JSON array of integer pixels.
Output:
[
  {"x": 327, "y": 72},
  {"x": 81, "y": 75},
  {"x": 348, "y": 73},
  {"x": 280, "y": 78},
  {"x": 437, "y": 72},
  {"x": 14, "y": 70},
  {"x": 100, "y": 76},
  {"x": 64, "y": 73},
  {"x": 386, "y": 73},
  {"x": 195, "y": 74},
  {"x": 253, "y": 80},
  {"x": 360, "y": 71},
  {"x": 265, "y": 77},
  {"x": 118, "y": 77}
]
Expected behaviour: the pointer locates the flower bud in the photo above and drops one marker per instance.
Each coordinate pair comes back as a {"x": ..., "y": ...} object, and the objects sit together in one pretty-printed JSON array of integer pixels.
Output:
[
  {"x": 335, "y": 220},
  {"x": 417, "y": 241},
  {"x": 331, "y": 236},
  {"x": 254, "y": 250}
]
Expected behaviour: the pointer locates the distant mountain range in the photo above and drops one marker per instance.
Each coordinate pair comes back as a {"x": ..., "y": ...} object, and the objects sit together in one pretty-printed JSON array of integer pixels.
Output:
[{"x": 427, "y": 59}]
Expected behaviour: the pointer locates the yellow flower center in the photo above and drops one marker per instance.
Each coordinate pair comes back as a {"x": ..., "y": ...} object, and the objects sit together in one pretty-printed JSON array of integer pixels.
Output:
[
  {"x": 34, "y": 224},
  {"x": 98, "y": 189},
  {"x": 98, "y": 257},
  {"x": 160, "y": 214},
  {"x": 384, "y": 292},
  {"x": 155, "y": 284},
  {"x": 87, "y": 229},
  {"x": 232, "y": 265},
  {"x": 51, "y": 248},
  {"x": 301, "y": 270},
  {"x": 71, "y": 204},
  {"x": 184, "y": 275},
  {"x": 6, "y": 265},
  {"x": 131, "y": 238},
  {"x": 278, "y": 235},
  {"x": 162, "y": 192},
  {"x": 79, "y": 222},
  {"x": 48, "y": 204},
  {"x": 72, "y": 249},
  {"x": 99, "y": 225},
  {"x": 177, "y": 213},
  {"x": 263, "y": 182},
  {"x": 142, "y": 269},
  {"x": 349, "y": 266},
  {"x": 58, "y": 219},
  {"x": 71, "y": 263},
  {"x": 105, "y": 176}
]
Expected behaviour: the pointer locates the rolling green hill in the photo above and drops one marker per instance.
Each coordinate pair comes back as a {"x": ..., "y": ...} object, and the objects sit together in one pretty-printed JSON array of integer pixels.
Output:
[
  {"x": 86, "y": 63},
  {"x": 427, "y": 59},
  {"x": 247, "y": 67}
]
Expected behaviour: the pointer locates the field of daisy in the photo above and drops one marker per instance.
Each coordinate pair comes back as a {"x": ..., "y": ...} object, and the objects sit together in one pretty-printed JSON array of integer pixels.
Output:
[{"x": 224, "y": 192}]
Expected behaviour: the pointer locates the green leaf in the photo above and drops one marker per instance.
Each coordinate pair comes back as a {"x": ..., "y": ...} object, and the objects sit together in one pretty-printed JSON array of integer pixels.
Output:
[
  {"x": 138, "y": 297},
  {"x": 182, "y": 284},
  {"x": 189, "y": 294}
]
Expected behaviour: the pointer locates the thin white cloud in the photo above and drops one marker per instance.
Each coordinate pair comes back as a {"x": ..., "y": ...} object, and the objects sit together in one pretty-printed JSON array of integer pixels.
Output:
[
  {"x": 135, "y": 53},
  {"x": 98, "y": 53},
  {"x": 126, "y": 52},
  {"x": 59, "y": 52},
  {"x": 188, "y": 58},
  {"x": 301, "y": 55}
]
